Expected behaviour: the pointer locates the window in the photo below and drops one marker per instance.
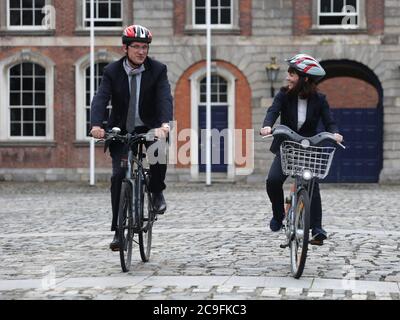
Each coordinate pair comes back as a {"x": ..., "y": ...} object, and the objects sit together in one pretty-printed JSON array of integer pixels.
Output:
[
  {"x": 219, "y": 90},
  {"x": 98, "y": 74},
  {"x": 225, "y": 16},
  {"x": 338, "y": 14},
  {"x": 107, "y": 13},
  {"x": 221, "y": 12},
  {"x": 102, "y": 58},
  {"x": 26, "y": 13},
  {"x": 27, "y": 100},
  {"x": 26, "y": 105}
]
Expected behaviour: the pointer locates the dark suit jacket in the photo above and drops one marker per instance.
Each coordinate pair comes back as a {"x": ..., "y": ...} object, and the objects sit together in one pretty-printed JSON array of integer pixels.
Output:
[
  {"x": 155, "y": 100},
  {"x": 286, "y": 107}
]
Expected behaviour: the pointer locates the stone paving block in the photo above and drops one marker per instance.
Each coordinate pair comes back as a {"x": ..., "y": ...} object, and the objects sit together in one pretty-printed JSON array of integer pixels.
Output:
[
  {"x": 246, "y": 289},
  {"x": 293, "y": 291},
  {"x": 316, "y": 294},
  {"x": 270, "y": 291},
  {"x": 129, "y": 297},
  {"x": 153, "y": 297},
  {"x": 383, "y": 297},
  {"x": 223, "y": 289},
  {"x": 201, "y": 290},
  {"x": 156, "y": 290},
  {"x": 135, "y": 290},
  {"x": 359, "y": 297}
]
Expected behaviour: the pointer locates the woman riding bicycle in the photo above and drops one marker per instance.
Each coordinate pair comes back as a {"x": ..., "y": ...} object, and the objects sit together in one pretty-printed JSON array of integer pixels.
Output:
[{"x": 300, "y": 107}]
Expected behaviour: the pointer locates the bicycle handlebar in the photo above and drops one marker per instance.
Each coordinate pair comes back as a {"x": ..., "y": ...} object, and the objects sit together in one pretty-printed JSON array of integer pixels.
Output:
[
  {"x": 128, "y": 138},
  {"x": 282, "y": 130}
]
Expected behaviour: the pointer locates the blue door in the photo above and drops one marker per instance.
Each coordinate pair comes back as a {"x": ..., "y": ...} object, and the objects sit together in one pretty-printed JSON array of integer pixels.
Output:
[
  {"x": 361, "y": 161},
  {"x": 219, "y": 121}
]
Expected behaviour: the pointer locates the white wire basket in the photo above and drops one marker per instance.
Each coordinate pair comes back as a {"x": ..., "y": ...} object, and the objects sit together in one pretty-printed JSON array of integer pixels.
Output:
[{"x": 296, "y": 159}]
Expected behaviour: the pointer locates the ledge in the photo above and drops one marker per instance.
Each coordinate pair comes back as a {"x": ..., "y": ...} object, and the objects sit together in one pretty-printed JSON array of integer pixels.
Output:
[
  {"x": 86, "y": 32},
  {"x": 229, "y": 31},
  {"x": 27, "y": 144},
  {"x": 86, "y": 144},
  {"x": 24, "y": 33},
  {"x": 320, "y": 31}
]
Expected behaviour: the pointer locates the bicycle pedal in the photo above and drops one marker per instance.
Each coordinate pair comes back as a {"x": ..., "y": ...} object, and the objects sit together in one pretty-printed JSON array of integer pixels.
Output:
[{"x": 284, "y": 245}]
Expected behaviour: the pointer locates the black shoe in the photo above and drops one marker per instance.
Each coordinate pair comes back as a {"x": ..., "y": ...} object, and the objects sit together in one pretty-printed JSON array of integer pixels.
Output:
[
  {"x": 159, "y": 205},
  {"x": 275, "y": 224},
  {"x": 318, "y": 236},
  {"x": 114, "y": 245}
]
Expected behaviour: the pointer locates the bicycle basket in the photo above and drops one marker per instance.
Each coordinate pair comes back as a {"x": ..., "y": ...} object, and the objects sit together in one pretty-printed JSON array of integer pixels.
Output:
[{"x": 296, "y": 159}]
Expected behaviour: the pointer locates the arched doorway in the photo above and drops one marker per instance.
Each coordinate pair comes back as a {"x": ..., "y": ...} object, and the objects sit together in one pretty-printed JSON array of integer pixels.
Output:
[
  {"x": 355, "y": 95},
  {"x": 231, "y": 112}
]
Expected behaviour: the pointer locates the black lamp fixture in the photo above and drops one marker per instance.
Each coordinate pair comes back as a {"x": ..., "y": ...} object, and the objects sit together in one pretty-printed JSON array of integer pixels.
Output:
[{"x": 272, "y": 70}]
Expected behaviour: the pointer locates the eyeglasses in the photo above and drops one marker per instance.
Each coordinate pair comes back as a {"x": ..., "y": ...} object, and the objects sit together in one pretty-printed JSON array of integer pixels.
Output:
[{"x": 138, "y": 48}]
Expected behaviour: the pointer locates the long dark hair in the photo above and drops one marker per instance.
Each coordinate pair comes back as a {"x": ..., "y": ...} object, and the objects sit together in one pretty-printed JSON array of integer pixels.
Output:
[{"x": 304, "y": 87}]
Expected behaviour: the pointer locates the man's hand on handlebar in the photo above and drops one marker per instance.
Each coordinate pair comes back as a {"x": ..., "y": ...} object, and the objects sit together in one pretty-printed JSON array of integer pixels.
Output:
[
  {"x": 97, "y": 132},
  {"x": 265, "y": 131},
  {"x": 162, "y": 132}
]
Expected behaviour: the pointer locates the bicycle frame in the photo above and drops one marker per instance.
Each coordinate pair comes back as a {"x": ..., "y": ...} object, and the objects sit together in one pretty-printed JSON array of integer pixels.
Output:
[
  {"x": 139, "y": 172},
  {"x": 295, "y": 186}
]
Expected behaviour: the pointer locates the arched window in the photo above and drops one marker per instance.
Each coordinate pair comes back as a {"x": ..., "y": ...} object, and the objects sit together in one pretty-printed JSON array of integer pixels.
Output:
[
  {"x": 27, "y": 100},
  {"x": 98, "y": 74},
  {"x": 82, "y": 86}
]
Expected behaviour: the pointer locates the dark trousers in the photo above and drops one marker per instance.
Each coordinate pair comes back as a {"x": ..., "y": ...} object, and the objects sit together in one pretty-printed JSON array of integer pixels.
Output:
[
  {"x": 157, "y": 171},
  {"x": 275, "y": 181}
]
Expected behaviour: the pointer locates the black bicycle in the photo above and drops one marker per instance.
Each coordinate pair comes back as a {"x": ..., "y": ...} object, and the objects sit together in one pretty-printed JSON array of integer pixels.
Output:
[
  {"x": 305, "y": 159},
  {"x": 135, "y": 213}
]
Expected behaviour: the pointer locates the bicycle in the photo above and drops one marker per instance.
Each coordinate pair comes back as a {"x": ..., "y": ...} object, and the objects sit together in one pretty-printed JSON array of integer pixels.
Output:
[
  {"x": 304, "y": 160},
  {"x": 135, "y": 198}
]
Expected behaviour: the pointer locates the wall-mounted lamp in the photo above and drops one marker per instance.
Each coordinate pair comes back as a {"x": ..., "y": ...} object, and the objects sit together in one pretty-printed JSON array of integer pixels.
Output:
[{"x": 272, "y": 70}]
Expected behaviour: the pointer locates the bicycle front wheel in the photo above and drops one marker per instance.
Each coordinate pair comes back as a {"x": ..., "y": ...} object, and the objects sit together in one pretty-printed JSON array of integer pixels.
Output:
[
  {"x": 144, "y": 217},
  {"x": 125, "y": 226},
  {"x": 300, "y": 237}
]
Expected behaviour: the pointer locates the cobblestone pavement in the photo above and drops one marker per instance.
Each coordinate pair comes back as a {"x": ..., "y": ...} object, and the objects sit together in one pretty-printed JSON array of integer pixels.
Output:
[{"x": 212, "y": 243}]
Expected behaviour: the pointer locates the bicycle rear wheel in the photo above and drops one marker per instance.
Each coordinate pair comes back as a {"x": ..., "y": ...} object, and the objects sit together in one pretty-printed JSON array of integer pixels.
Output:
[
  {"x": 144, "y": 216},
  {"x": 299, "y": 240},
  {"x": 125, "y": 226}
]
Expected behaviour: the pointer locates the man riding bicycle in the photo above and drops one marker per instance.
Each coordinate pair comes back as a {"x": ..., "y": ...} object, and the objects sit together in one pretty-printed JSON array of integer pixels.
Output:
[
  {"x": 300, "y": 107},
  {"x": 141, "y": 100}
]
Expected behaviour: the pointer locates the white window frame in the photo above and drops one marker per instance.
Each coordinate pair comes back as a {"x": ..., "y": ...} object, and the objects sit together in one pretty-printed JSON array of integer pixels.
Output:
[
  {"x": 192, "y": 27},
  {"x": 84, "y": 19},
  {"x": 101, "y": 56},
  {"x": 22, "y": 106},
  {"x": 335, "y": 14},
  {"x": 214, "y": 26},
  {"x": 5, "y": 66},
  {"x": 195, "y": 80},
  {"x": 86, "y": 90},
  {"x": 26, "y": 27}
]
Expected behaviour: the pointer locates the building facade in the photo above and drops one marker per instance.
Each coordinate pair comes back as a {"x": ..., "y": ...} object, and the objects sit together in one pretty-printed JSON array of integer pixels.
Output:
[{"x": 44, "y": 81}]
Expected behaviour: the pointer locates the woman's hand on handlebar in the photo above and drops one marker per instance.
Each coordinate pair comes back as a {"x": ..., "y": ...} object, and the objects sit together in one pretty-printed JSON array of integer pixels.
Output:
[
  {"x": 265, "y": 131},
  {"x": 97, "y": 132},
  {"x": 338, "y": 137}
]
